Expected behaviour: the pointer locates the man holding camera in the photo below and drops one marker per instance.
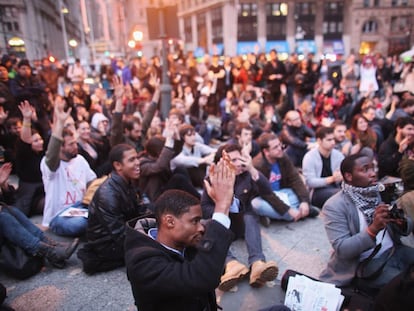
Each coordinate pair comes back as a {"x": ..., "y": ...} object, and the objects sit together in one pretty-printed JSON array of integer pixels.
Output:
[{"x": 364, "y": 234}]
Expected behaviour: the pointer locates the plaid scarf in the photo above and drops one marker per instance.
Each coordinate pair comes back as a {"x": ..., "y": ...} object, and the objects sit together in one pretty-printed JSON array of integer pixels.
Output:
[{"x": 365, "y": 199}]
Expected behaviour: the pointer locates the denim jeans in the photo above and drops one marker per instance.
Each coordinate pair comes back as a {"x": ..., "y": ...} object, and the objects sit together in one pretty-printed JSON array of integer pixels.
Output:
[
  {"x": 402, "y": 257},
  {"x": 252, "y": 238},
  {"x": 263, "y": 208},
  {"x": 18, "y": 229},
  {"x": 69, "y": 226}
]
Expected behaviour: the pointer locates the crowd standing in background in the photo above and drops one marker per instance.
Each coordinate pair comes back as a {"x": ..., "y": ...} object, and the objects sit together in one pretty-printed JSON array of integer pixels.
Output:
[{"x": 287, "y": 126}]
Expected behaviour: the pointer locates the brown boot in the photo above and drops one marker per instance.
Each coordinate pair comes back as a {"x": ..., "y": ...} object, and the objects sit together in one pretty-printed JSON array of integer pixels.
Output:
[
  {"x": 263, "y": 272},
  {"x": 235, "y": 271}
]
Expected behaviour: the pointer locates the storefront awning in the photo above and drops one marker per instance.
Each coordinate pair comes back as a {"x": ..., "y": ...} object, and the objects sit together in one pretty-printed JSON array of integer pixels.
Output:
[
  {"x": 279, "y": 46},
  {"x": 305, "y": 47},
  {"x": 333, "y": 47}
]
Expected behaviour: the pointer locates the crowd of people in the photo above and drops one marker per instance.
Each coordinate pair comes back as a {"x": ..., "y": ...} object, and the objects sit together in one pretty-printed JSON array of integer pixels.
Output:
[{"x": 286, "y": 139}]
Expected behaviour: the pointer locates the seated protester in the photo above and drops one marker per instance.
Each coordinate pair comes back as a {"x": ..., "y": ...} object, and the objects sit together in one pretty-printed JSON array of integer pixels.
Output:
[
  {"x": 405, "y": 109},
  {"x": 243, "y": 135},
  {"x": 30, "y": 194},
  {"x": 361, "y": 135},
  {"x": 342, "y": 143},
  {"x": 177, "y": 265},
  {"x": 195, "y": 156},
  {"x": 115, "y": 202},
  {"x": 292, "y": 197},
  {"x": 295, "y": 136},
  {"x": 99, "y": 134},
  {"x": 156, "y": 176},
  {"x": 395, "y": 147},
  {"x": 65, "y": 176},
  {"x": 92, "y": 153},
  {"x": 321, "y": 167},
  {"x": 131, "y": 130},
  {"x": 249, "y": 184},
  {"x": 357, "y": 223},
  {"x": 16, "y": 228}
]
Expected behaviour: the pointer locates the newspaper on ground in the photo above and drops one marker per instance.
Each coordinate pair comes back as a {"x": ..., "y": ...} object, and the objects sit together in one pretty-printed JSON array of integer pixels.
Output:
[{"x": 305, "y": 294}]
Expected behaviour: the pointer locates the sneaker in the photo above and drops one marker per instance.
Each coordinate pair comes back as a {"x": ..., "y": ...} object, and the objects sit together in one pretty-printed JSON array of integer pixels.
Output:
[
  {"x": 265, "y": 221},
  {"x": 313, "y": 211}
]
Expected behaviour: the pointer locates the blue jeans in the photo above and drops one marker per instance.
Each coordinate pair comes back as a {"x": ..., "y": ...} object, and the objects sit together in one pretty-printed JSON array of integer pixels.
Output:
[
  {"x": 18, "y": 229},
  {"x": 69, "y": 226},
  {"x": 403, "y": 257},
  {"x": 263, "y": 208},
  {"x": 252, "y": 238}
]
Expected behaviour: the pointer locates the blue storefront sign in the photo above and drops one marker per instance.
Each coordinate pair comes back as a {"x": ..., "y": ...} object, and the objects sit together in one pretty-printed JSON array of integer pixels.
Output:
[
  {"x": 199, "y": 52},
  {"x": 333, "y": 47},
  {"x": 217, "y": 49},
  {"x": 305, "y": 47},
  {"x": 248, "y": 47},
  {"x": 279, "y": 46}
]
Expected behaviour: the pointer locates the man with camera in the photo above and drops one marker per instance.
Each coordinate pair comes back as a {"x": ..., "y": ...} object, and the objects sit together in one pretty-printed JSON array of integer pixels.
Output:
[{"x": 364, "y": 234}]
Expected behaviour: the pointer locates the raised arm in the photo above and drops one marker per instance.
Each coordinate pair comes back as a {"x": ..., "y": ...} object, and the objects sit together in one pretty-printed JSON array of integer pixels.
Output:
[
  {"x": 27, "y": 111},
  {"x": 53, "y": 148}
]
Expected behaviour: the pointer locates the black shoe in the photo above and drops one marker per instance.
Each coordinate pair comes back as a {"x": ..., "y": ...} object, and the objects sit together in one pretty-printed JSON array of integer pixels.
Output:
[
  {"x": 265, "y": 221},
  {"x": 313, "y": 211}
]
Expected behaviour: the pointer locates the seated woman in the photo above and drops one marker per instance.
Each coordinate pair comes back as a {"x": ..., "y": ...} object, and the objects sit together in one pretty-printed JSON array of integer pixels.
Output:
[
  {"x": 29, "y": 152},
  {"x": 361, "y": 135},
  {"x": 16, "y": 228}
]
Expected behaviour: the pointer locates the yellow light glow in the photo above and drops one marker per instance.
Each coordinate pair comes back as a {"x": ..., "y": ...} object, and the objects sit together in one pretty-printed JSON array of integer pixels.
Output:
[
  {"x": 73, "y": 43},
  {"x": 65, "y": 10},
  {"x": 284, "y": 8},
  {"x": 16, "y": 41}
]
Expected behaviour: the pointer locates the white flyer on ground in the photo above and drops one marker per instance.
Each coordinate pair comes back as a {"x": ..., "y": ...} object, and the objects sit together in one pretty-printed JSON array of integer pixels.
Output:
[{"x": 305, "y": 294}]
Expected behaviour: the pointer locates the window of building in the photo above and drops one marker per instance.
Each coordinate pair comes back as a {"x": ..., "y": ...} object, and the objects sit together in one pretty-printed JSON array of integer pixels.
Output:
[
  {"x": 9, "y": 26},
  {"x": 247, "y": 9},
  {"x": 305, "y": 8},
  {"x": 277, "y": 9},
  {"x": 394, "y": 2},
  {"x": 400, "y": 24},
  {"x": 217, "y": 25},
  {"x": 188, "y": 33},
  {"x": 247, "y": 22},
  {"x": 16, "y": 26},
  {"x": 333, "y": 8},
  {"x": 376, "y": 2},
  {"x": 366, "y": 3},
  {"x": 404, "y": 2},
  {"x": 370, "y": 27}
]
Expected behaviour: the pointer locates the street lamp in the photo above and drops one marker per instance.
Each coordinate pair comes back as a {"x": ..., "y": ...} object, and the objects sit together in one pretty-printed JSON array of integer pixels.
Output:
[
  {"x": 63, "y": 10},
  {"x": 165, "y": 82}
]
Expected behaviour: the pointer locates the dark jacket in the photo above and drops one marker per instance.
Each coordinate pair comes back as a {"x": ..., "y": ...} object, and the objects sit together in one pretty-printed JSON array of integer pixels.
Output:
[
  {"x": 155, "y": 173},
  {"x": 114, "y": 203},
  {"x": 290, "y": 179},
  {"x": 164, "y": 280},
  {"x": 389, "y": 158},
  {"x": 296, "y": 136},
  {"x": 245, "y": 189}
]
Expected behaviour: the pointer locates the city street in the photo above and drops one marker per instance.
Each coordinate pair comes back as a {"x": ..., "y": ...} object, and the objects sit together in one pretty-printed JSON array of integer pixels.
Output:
[{"x": 301, "y": 246}]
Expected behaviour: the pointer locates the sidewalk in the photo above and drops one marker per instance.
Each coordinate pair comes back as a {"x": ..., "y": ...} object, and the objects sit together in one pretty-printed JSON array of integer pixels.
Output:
[{"x": 301, "y": 246}]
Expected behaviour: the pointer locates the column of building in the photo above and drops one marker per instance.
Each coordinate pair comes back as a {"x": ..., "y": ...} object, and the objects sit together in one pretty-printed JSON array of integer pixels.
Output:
[{"x": 230, "y": 28}]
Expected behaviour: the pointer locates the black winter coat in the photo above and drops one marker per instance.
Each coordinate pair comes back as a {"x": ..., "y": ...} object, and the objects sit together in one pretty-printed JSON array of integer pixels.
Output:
[{"x": 162, "y": 279}]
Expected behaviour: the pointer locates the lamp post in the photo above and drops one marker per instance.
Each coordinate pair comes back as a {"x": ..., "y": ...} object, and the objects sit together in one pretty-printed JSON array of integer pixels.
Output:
[
  {"x": 63, "y": 11},
  {"x": 165, "y": 82}
]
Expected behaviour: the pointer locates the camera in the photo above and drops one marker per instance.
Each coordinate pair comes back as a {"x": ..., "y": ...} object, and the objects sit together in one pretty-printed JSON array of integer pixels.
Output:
[
  {"x": 396, "y": 213},
  {"x": 390, "y": 189}
]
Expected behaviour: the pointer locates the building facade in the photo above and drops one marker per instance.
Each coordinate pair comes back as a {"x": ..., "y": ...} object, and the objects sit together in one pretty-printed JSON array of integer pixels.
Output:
[
  {"x": 33, "y": 28},
  {"x": 322, "y": 27}
]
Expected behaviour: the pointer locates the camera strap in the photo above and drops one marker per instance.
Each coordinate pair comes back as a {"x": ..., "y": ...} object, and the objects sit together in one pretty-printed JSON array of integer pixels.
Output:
[{"x": 359, "y": 272}]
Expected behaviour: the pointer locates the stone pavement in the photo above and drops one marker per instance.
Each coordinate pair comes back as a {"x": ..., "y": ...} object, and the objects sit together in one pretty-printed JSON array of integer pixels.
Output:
[{"x": 301, "y": 246}]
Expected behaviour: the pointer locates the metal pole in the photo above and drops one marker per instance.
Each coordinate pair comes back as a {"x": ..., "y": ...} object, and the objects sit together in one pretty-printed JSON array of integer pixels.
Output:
[
  {"x": 65, "y": 35},
  {"x": 165, "y": 83}
]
